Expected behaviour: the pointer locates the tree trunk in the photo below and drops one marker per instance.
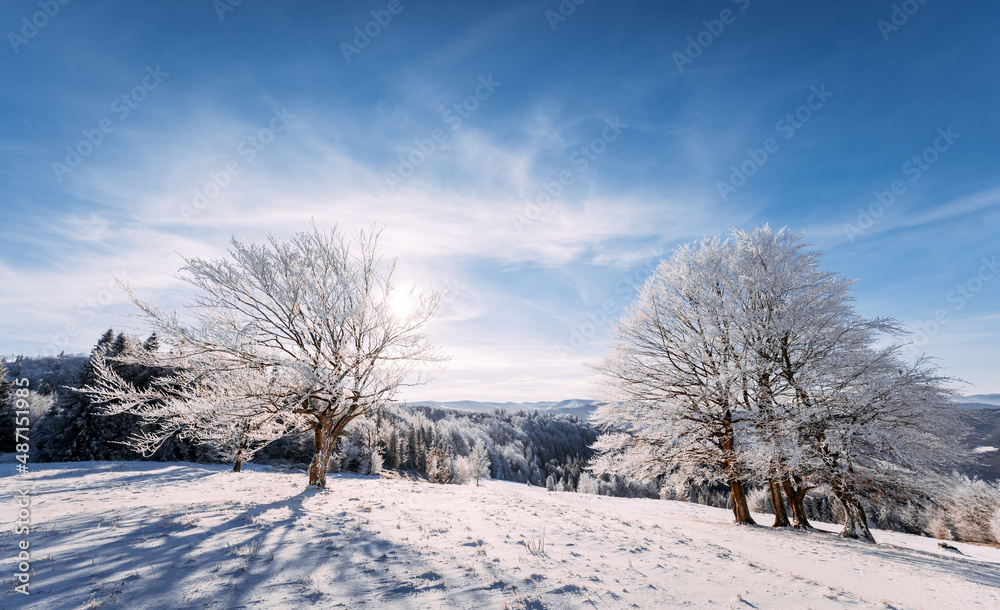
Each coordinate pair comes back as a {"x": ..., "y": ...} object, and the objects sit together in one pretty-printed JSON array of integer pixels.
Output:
[
  {"x": 323, "y": 439},
  {"x": 780, "y": 516},
  {"x": 740, "y": 509},
  {"x": 796, "y": 493},
  {"x": 326, "y": 431},
  {"x": 855, "y": 520},
  {"x": 238, "y": 462}
]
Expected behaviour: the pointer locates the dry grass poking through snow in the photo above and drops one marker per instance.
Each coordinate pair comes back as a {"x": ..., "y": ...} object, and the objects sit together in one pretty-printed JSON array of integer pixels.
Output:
[{"x": 142, "y": 535}]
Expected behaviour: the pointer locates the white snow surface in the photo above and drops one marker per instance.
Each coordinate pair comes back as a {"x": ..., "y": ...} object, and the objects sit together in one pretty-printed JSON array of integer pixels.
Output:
[{"x": 171, "y": 535}]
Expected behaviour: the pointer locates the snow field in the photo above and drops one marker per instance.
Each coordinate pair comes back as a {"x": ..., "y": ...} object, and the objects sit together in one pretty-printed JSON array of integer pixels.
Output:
[{"x": 154, "y": 535}]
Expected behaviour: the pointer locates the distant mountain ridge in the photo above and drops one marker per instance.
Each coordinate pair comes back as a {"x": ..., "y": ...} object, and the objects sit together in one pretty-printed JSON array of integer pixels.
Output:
[
  {"x": 979, "y": 401},
  {"x": 578, "y": 407},
  {"x": 582, "y": 407}
]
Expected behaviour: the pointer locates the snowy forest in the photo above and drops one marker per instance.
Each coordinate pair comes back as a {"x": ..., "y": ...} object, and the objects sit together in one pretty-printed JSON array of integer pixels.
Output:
[
  {"x": 741, "y": 377},
  {"x": 435, "y": 444}
]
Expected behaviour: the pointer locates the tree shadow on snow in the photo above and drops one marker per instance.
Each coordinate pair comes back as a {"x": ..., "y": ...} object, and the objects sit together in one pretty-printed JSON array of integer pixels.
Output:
[{"x": 217, "y": 554}]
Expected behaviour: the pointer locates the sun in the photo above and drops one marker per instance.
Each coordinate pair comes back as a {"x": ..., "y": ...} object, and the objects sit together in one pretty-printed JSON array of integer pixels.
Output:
[{"x": 404, "y": 300}]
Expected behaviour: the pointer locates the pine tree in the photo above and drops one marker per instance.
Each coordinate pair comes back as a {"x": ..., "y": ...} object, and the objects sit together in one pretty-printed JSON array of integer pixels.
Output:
[
  {"x": 78, "y": 429},
  {"x": 6, "y": 385},
  {"x": 391, "y": 447},
  {"x": 7, "y": 415},
  {"x": 152, "y": 344}
]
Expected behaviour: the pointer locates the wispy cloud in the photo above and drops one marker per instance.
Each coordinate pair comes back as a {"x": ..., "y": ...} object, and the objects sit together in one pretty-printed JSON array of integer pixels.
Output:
[{"x": 502, "y": 205}]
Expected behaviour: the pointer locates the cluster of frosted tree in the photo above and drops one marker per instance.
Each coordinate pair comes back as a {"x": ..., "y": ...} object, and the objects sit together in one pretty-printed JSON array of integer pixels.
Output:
[
  {"x": 47, "y": 374},
  {"x": 281, "y": 336},
  {"x": 956, "y": 507},
  {"x": 743, "y": 362},
  {"x": 450, "y": 446},
  {"x": 443, "y": 445}
]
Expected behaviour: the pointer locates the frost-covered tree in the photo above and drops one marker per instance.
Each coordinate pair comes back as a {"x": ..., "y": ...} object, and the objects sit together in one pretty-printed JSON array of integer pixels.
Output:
[
  {"x": 744, "y": 360},
  {"x": 480, "y": 462},
  {"x": 777, "y": 297},
  {"x": 439, "y": 465},
  {"x": 672, "y": 382},
  {"x": 876, "y": 427},
  {"x": 361, "y": 447},
  {"x": 225, "y": 411},
  {"x": 474, "y": 465},
  {"x": 791, "y": 315},
  {"x": 964, "y": 509},
  {"x": 820, "y": 394},
  {"x": 313, "y": 323}
]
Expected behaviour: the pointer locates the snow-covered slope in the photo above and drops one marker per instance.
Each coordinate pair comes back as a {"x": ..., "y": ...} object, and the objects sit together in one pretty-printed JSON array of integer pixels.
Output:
[{"x": 148, "y": 535}]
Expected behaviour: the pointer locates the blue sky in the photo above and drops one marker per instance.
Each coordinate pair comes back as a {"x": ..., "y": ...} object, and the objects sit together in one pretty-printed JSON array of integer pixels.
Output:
[{"x": 537, "y": 156}]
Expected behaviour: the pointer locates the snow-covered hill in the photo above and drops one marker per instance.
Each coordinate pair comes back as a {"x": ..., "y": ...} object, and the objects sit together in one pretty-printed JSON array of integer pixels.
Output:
[{"x": 154, "y": 535}]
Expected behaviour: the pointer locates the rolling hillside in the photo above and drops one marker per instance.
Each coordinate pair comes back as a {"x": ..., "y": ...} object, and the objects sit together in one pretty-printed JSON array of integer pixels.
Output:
[{"x": 171, "y": 535}]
